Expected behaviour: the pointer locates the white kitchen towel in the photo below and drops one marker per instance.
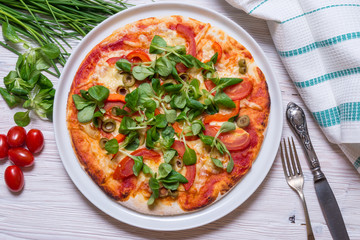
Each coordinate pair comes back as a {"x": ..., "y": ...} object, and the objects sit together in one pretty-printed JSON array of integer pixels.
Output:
[{"x": 319, "y": 43}]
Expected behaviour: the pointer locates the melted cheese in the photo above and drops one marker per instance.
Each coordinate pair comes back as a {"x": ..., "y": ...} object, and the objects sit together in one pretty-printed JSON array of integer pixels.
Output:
[{"x": 252, "y": 105}]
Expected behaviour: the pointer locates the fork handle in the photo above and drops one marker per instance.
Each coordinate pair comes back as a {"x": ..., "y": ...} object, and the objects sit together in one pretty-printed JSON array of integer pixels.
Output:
[
  {"x": 310, "y": 234},
  {"x": 297, "y": 120}
]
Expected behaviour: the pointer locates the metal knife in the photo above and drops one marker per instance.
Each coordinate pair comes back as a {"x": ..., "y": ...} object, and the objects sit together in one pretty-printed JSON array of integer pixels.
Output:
[{"x": 297, "y": 120}]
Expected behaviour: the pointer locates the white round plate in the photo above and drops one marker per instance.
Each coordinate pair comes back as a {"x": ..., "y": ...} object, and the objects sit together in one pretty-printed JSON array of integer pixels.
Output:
[{"x": 239, "y": 193}]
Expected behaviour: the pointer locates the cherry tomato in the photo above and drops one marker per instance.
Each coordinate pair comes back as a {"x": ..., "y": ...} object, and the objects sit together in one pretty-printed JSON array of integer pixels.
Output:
[
  {"x": 21, "y": 157},
  {"x": 16, "y": 136},
  {"x": 235, "y": 92},
  {"x": 237, "y": 139},
  {"x": 14, "y": 178},
  {"x": 4, "y": 147},
  {"x": 125, "y": 166},
  {"x": 190, "y": 169},
  {"x": 35, "y": 140}
]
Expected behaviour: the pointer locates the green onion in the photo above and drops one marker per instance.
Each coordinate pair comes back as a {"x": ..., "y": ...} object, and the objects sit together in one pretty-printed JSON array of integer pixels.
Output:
[{"x": 56, "y": 21}]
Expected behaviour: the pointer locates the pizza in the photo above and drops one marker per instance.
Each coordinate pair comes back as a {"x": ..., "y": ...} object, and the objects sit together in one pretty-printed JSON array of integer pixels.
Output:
[{"x": 166, "y": 115}]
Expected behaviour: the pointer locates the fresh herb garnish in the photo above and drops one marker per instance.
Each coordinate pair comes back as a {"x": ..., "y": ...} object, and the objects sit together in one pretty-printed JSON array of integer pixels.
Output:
[
  {"x": 89, "y": 101},
  {"x": 112, "y": 146}
]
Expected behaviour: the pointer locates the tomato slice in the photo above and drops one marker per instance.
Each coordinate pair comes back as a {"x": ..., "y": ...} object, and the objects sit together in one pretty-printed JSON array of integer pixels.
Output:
[
  {"x": 125, "y": 166},
  {"x": 113, "y": 60},
  {"x": 220, "y": 117},
  {"x": 189, "y": 35},
  {"x": 138, "y": 56},
  {"x": 237, "y": 139},
  {"x": 109, "y": 105},
  {"x": 179, "y": 147},
  {"x": 181, "y": 68},
  {"x": 190, "y": 169},
  {"x": 190, "y": 176},
  {"x": 124, "y": 169},
  {"x": 209, "y": 85},
  {"x": 178, "y": 129},
  {"x": 235, "y": 92},
  {"x": 240, "y": 90}
]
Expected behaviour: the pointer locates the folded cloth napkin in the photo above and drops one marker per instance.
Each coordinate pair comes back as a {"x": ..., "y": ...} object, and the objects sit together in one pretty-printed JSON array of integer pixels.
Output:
[{"x": 319, "y": 45}]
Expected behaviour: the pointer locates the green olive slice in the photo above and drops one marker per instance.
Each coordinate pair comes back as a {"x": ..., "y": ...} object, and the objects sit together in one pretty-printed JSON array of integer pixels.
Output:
[
  {"x": 242, "y": 66},
  {"x": 128, "y": 80},
  {"x": 108, "y": 125},
  {"x": 170, "y": 81},
  {"x": 113, "y": 111},
  {"x": 122, "y": 90},
  {"x": 243, "y": 121},
  {"x": 102, "y": 142},
  {"x": 173, "y": 194},
  {"x": 179, "y": 163},
  {"x": 163, "y": 192},
  {"x": 141, "y": 139},
  {"x": 184, "y": 76},
  {"x": 242, "y": 62},
  {"x": 242, "y": 70}
]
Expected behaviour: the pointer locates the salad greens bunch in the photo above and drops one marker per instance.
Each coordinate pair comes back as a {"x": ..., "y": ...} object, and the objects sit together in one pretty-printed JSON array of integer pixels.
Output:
[{"x": 26, "y": 84}]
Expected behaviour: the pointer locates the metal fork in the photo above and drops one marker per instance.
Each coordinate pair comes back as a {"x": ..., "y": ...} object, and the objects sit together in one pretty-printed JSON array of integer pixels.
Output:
[{"x": 295, "y": 178}]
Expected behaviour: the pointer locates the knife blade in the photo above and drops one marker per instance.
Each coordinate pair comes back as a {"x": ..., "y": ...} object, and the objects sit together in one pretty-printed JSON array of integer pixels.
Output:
[{"x": 331, "y": 211}]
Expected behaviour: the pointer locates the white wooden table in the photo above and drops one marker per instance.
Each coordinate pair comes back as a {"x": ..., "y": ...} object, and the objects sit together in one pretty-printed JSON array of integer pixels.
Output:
[{"x": 51, "y": 207}]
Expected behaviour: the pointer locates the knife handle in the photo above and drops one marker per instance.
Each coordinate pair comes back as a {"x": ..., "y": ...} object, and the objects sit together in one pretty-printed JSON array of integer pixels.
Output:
[{"x": 297, "y": 120}]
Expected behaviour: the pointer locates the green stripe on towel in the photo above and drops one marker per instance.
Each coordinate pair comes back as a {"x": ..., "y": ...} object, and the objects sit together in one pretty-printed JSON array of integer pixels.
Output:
[
  {"x": 258, "y": 6},
  {"x": 343, "y": 113},
  {"x": 327, "y": 77},
  {"x": 319, "y": 9},
  {"x": 320, "y": 44}
]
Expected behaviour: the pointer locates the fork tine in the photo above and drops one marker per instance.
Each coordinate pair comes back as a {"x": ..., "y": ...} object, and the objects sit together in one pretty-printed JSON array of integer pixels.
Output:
[
  {"x": 295, "y": 170},
  {"x": 291, "y": 172},
  {"x": 283, "y": 161},
  {"x": 296, "y": 157}
]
